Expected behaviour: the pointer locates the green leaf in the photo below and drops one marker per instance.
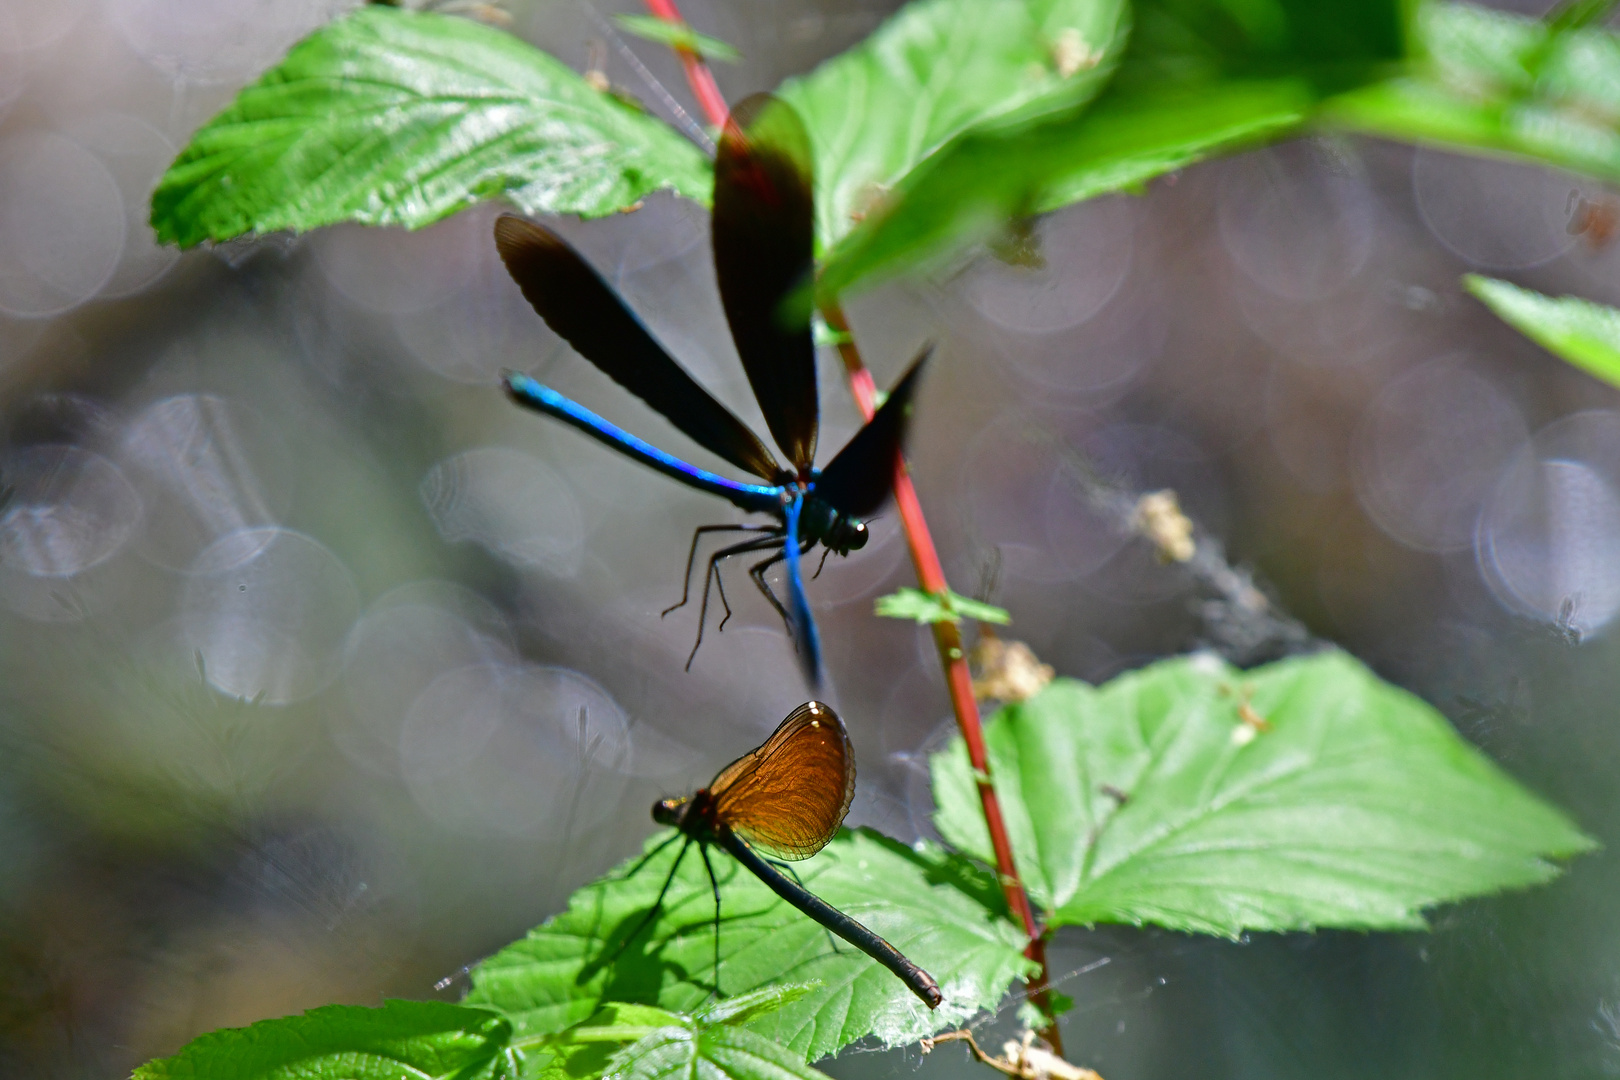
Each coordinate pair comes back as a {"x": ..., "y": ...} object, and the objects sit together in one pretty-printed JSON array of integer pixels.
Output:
[
  {"x": 1301, "y": 794},
  {"x": 935, "y": 908},
  {"x": 927, "y": 607},
  {"x": 936, "y": 69},
  {"x": 1574, "y": 14},
  {"x": 1129, "y": 139},
  {"x": 618, "y": 1021},
  {"x": 743, "y": 1008},
  {"x": 1584, "y": 333},
  {"x": 1332, "y": 43},
  {"x": 584, "y": 1051},
  {"x": 677, "y": 36},
  {"x": 593, "y": 1048},
  {"x": 707, "y": 1044},
  {"x": 825, "y": 336},
  {"x": 1504, "y": 84},
  {"x": 712, "y": 1053},
  {"x": 1196, "y": 78},
  {"x": 967, "y": 195},
  {"x": 390, "y": 117},
  {"x": 419, "y": 1039}
]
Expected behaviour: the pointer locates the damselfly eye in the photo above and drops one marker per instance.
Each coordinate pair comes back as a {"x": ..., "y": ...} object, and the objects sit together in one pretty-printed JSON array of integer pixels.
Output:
[{"x": 846, "y": 535}]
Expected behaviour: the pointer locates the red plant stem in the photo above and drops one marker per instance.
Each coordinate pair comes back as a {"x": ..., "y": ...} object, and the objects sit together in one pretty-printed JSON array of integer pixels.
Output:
[
  {"x": 698, "y": 75},
  {"x": 947, "y": 636},
  {"x": 958, "y": 679},
  {"x": 930, "y": 575}
]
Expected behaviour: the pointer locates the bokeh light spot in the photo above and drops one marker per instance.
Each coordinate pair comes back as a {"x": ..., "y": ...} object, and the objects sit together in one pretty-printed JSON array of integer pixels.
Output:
[
  {"x": 268, "y": 610},
  {"x": 62, "y": 225},
  {"x": 511, "y": 503}
]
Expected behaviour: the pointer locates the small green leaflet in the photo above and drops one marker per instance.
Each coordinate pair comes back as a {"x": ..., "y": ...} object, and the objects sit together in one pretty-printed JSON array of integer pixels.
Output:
[
  {"x": 713, "y": 1045},
  {"x": 1303, "y": 794},
  {"x": 826, "y": 336},
  {"x": 391, "y": 117},
  {"x": 716, "y": 1052},
  {"x": 677, "y": 36},
  {"x": 936, "y": 69},
  {"x": 583, "y": 1051},
  {"x": 702, "y": 1043},
  {"x": 927, "y": 607},
  {"x": 1584, "y": 333},
  {"x": 936, "y": 909},
  {"x": 1499, "y": 82},
  {"x": 347, "y": 1042}
]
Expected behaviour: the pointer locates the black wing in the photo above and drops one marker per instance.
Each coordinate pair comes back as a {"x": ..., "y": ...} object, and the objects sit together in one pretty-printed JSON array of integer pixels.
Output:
[
  {"x": 580, "y": 306},
  {"x": 859, "y": 479},
  {"x": 764, "y": 239}
]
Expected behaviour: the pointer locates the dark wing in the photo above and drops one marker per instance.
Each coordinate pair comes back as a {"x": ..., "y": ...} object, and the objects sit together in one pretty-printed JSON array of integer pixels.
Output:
[
  {"x": 764, "y": 247},
  {"x": 861, "y": 476},
  {"x": 788, "y": 797},
  {"x": 588, "y": 314}
]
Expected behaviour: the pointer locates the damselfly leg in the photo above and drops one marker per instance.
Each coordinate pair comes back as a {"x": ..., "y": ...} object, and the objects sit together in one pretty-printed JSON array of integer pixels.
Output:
[
  {"x": 658, "y": 904},
  {"x": 703, "y": 849},
  {"x": 757, "y": 572},
  {"x": 691, "y": 556},
  {"x": 712, "y": 574}
]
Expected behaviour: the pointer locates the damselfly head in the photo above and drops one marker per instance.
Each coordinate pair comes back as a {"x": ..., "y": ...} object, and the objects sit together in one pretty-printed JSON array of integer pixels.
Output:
[
  {"x": 670, "y": 811},
  {"x": 846, "y": 535}
]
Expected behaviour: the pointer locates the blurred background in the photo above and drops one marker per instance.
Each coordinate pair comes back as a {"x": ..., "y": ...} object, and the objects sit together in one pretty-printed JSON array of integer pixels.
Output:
[{"x": 326, "y": 671}]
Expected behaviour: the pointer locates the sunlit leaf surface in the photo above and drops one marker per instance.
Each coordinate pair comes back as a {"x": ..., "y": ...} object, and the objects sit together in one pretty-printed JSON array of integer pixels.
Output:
[
  {"x": 986, "y": 179},
  {"x": 1307, "y": 793},
  {"x": 713, "y": 1046},
  {"x": 1130, "y": 139},
  {"x": 641, "y": 1041},
  {"x": 1195, "y": 78},
  {"x": 1502, "y": 83},
  {"x": 926, "y": 607},
  {"x": 929, "y": 906},
  {"x": 417, "y": 1039},
  {"x": 437, "y": 1041},
  {"x": 389, "y": 117},
  {"x": 935, "y": 70},
  {"x": 1584, "y": 333}
]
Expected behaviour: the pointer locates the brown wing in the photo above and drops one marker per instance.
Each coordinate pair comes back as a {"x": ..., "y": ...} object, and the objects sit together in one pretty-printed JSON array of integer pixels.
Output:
[{"x": 788, "y": 797}]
